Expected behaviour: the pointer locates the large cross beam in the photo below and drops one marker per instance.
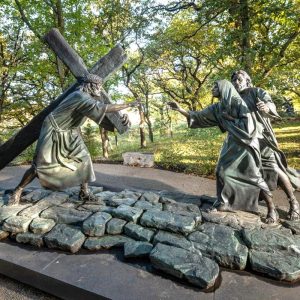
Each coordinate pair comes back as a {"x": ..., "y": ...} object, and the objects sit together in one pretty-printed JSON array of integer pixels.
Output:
[
  {"x": 103, "y": 68},
  {"x": 78, "y": 68}
]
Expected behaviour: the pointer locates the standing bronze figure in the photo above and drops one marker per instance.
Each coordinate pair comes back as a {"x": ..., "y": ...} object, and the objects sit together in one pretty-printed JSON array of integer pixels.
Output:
[
  {"x": 239, "y": 178},
  {"x": 61, "y": 158},
  {"x": 274, "y": 164}
]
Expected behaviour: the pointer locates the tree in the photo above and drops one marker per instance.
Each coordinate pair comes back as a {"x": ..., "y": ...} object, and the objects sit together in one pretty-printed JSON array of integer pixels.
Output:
[
  {"x": 257, "y": 36},
  {"x": 69, "y": 16},
  {"x": 129, "y": 74}
]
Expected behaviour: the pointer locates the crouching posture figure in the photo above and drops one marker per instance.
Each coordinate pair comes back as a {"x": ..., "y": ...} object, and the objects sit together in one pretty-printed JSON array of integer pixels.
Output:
[
  {"x": 239, "y": 178},
  {"x": 61, "y": 158}
]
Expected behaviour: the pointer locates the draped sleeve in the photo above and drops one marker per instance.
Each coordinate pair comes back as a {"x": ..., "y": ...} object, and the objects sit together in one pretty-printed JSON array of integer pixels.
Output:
[
  {"x": 245, "y": 127},
  {"x": 207, "y": 117},
  {"x": 266, "y": 98},
  {"x": 92, "y": 109}
]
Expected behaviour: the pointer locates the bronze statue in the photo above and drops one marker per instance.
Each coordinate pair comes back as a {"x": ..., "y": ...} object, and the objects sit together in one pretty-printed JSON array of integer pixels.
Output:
[
  {"x": 274, "y": 164},
  {"x": 239, "y": 179},
  {"x": 61, "y": 158}
]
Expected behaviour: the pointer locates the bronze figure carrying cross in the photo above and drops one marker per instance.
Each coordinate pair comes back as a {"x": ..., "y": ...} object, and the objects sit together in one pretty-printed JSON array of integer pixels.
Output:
[
  {"x": 61, "y": 158},
  {"x": 103, "y": 68}
]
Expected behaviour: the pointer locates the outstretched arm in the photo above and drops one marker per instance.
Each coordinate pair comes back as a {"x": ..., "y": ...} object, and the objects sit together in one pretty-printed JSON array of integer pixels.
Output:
[
  {"x": 199, "y": 119},
  {"x": 175, "y": 106},
  {"x": 117, "y": 107}
]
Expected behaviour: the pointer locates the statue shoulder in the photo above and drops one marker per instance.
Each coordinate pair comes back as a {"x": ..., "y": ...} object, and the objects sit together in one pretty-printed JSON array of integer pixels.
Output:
[
  {"x": 81, "y": 96},
  {"x": 263, "y": 94},
  {"x": 256, "y": 92},
  {"x": 78, "y": 94}
]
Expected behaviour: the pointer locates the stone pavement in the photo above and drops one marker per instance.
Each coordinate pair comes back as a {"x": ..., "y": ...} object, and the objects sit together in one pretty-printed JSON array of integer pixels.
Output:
[
  {"x": 119, "y": 177},
  {"x": 225, "y": 230}
]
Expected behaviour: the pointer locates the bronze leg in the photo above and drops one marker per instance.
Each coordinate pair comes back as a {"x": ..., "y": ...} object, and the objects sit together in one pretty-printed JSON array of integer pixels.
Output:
[
  {"x": 29, "y": 175},
  {"x": 272, "y": 216},
  {"x": 84, "y": 190},
  {"x": 285, "y": 184},
  {"x": 85, "y": 194}
]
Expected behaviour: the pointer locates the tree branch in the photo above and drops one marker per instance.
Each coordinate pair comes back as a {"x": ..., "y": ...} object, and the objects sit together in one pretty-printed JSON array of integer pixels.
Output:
[
  {"x": 26, "y": 21},
  {"x": 282, "y": 51}
]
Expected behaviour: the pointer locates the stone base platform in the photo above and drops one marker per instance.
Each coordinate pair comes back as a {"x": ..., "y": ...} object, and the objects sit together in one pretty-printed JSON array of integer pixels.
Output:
[
  {"x": 101, "y": 275},
  {"x": 178, "y": 246}
]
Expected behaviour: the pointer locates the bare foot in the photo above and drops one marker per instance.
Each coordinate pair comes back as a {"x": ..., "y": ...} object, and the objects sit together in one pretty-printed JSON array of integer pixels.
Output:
[
  {"x": 211, "y": 210},
  {"x": 14, "y": 199},
  {"x": 294, "y": 212},
  {"x": 217, "y": 206},
  {"x": 272, "y": 216},
  {"x": 224, "y": 207}
]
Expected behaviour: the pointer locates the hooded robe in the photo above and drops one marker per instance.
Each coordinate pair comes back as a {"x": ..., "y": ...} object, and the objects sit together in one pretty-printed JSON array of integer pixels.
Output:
[
  {"x": 272, "y": 157},
  {"x": 61, "y": 158},
  {"x": 238, "y": 171}
]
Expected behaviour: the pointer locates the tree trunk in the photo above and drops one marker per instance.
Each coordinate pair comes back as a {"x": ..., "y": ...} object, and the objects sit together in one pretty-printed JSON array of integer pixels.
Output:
[
  {"x": 245, "y": 41},
  {"x": 1, "y": 106},
  {"x": 59, "y": 20},
  {"x": 143, "y": 137},
  {"x": 105, "y": 141},
  {"x": 162, "y": 121},
  {"x": 151, "y": 137},
  {"x": 171, "y": 128},
  {"x": 142, "y": 128},
  {"x": 239, "y": 11},
  {"x": 116, "y": 140}
]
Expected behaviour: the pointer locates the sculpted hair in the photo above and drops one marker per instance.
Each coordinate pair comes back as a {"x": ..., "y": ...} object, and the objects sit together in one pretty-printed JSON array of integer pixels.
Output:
[
  {"x": 245, "y": 75},
  {"x": 89, "y": 83},
  {"x": 89, "y": 87}
]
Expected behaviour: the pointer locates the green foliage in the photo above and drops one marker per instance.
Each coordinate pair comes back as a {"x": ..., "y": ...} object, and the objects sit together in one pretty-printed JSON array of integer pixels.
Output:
[
  {"x": 176, "y": 51},
  {"x": 26, "y": 156},
  {"x": 189, "y": 151},
  {"x": 288, "y": 137},
  {"x": 91, "y": 137}
]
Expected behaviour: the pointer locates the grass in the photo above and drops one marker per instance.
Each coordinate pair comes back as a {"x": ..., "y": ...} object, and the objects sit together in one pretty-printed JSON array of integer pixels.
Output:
[
  {"x": 288, "y": 137},
  {"x": 196, "y": 151},
  {"x": 192, "y": 151},
  {"x": 189, "y": 151}
]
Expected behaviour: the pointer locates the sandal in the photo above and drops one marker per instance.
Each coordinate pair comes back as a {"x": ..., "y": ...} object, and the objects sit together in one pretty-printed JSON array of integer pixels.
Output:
[
  {"x": 15, "y": 198},
  {"x": 213, "y": 207},
  {"x": 272, "y": 217},
  {"x": 294, "y": 212},
  {"x": 87, "y": 197}
]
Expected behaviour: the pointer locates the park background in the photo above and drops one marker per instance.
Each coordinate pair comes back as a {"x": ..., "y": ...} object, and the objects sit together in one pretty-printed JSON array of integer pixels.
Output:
[{"x": 176, "y": 50}]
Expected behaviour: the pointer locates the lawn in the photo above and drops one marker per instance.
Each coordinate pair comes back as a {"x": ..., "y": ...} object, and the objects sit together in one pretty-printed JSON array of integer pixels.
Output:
[
  {"x": 196, "y": 151},
  {"x": 192, "y": 151}
]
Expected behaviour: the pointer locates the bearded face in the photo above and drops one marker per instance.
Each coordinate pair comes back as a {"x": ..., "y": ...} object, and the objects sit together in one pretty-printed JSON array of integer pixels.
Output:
[
  {"x": 239, "y": 82},
  {"x": 95, "y": 89}
]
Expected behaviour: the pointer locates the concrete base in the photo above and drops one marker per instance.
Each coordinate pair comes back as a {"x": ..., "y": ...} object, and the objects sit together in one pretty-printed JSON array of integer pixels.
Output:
[
  {"x": 101, "y": 275},
  {"x": 106, "y": 275}
]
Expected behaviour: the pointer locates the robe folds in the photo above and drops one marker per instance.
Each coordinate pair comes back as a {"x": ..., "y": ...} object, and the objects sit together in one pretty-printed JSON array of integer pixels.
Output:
[
  {"x": 238, "y": 171},
  {"x": 61, "y": 158},
  {"x": 271, "y": 156}
]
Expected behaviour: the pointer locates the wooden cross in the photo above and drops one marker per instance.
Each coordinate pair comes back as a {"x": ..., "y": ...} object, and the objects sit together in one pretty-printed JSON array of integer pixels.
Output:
[{"x": 103, "y": 68}]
